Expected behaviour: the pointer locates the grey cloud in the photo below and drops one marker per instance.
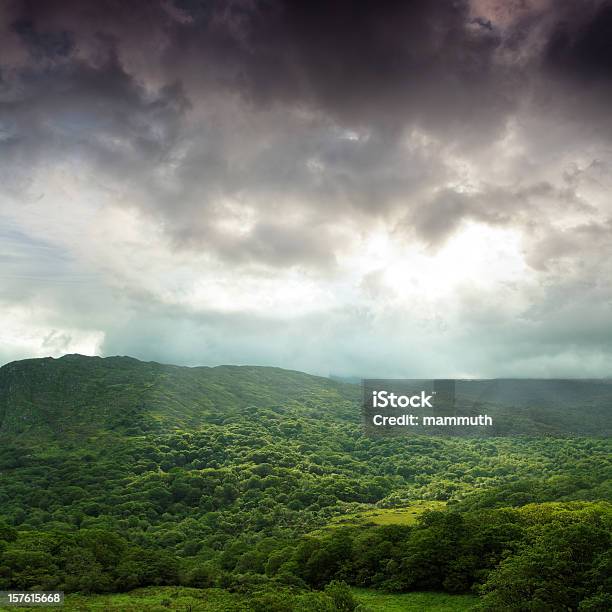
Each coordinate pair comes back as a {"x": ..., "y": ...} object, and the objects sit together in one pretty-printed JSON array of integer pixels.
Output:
[
  {"x": 588, "y": 246},
  {"x": 435, "y": 220},
  {"x": 269, "y": 135},
  {"x": 97, "y": 114},
  {"x": 277, "y": 245}
]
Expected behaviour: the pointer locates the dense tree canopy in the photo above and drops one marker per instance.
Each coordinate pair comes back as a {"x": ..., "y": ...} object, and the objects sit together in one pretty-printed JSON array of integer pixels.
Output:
[{"x": 235, "y": 496}]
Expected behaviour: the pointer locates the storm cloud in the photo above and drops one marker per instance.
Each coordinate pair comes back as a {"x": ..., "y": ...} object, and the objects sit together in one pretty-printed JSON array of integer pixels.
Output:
[{"x": 381, "y": 188}]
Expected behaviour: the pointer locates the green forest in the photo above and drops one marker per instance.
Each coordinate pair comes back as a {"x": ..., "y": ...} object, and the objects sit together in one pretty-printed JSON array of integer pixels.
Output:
[{"x": 132, "y": 485}]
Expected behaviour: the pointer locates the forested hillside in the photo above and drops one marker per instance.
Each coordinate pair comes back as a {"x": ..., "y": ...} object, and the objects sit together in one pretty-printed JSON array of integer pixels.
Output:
[{"x": 118, "y": 474}]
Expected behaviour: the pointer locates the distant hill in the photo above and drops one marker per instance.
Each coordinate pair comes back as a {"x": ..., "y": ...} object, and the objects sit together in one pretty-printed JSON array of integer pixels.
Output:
[
  {"x": 83, "y": 395},
  {"x": 542, "y": 406},
  {"x": 76, "y": 396}
]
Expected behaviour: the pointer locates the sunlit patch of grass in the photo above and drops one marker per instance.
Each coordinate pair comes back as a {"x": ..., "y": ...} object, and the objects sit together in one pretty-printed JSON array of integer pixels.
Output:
[
  {"x": 407, "y": 515},
  {"x": 414, "y": 602}
]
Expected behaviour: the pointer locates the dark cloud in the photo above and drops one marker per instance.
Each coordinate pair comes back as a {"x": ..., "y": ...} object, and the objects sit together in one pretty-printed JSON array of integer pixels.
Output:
[
  {"x": 363, "y": 62},
  {"x": 371, "y": 61},
  {"x": 46, "y": 45},
  {"x": 580, "y": 45},
  {"x": 114, "y": 81}
]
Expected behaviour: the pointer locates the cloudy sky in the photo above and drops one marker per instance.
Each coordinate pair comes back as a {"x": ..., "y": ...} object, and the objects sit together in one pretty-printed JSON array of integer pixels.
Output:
[{"x": 360, "y": 188}]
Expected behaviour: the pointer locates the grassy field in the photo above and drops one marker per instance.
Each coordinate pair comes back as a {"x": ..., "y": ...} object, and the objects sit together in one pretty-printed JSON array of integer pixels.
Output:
[
  {"x": 152, "y": 599},
  {"x": 162, "y": 599},
  {"x": 414, "y": 602},
  {"x": 386, "y": 516}
]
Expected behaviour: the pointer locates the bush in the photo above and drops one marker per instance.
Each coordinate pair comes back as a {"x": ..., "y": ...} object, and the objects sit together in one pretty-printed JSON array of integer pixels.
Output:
[{"x": 341, "y": 595}]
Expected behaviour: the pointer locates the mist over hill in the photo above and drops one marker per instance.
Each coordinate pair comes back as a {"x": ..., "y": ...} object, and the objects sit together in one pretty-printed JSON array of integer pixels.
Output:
[{"x": 76, "y": 396}]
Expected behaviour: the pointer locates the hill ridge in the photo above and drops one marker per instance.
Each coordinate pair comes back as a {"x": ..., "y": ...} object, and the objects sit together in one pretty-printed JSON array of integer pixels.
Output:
[{"x": 93, "y": 394}]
